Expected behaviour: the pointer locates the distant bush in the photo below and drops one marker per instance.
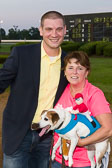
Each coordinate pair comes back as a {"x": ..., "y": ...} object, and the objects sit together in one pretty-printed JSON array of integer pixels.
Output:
[
  {"x": 3, "y": 58},
  {"x": 70, "y": 46},
  {"x": 107, "y": 51},
  {"x": 100, "y": 46},
  {"x": 89, "y": 48}
]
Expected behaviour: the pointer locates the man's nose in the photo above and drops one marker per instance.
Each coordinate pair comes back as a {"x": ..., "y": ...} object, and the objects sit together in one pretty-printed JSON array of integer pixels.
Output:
[{"x": 54, "y": 33}]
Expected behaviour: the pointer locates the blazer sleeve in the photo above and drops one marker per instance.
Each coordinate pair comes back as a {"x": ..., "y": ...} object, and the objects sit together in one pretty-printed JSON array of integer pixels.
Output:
[{"x": 9, "y": 70}]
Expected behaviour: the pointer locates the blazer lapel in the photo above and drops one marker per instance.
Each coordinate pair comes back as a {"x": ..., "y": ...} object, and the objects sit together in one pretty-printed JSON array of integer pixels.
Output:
[{"x": 36, "y": 63}]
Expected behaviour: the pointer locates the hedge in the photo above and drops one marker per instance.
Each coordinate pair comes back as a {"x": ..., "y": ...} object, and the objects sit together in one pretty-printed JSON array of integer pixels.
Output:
[
  {"x": 70, "y": 46},
  {"x": 107, "y": 51},
  {"x": 89, "y": 48},
  {"x": 100, "y": 47},
  {"x": 3, "y": 58}
]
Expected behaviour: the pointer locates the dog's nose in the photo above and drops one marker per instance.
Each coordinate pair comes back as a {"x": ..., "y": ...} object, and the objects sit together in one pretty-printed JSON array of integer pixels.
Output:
[{"x": 34, "y": 126}]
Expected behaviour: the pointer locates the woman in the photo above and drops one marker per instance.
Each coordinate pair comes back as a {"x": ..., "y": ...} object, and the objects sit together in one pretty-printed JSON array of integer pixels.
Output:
[{"x": 77, "y": 68}]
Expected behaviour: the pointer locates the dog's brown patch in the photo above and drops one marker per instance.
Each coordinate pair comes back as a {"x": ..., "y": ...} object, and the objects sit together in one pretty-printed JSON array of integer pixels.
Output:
[
  {"x": 43, "y": 112},
  {"x": 53, "y": 116}
]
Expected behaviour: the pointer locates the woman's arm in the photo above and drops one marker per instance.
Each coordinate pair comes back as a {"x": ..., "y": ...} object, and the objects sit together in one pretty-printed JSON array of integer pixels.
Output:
[{"x": 102, "y": 133}]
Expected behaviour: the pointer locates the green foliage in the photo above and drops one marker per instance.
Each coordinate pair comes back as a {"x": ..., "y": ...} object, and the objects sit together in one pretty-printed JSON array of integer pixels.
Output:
[
  {"x": 100, "y": 47},
  {"x": 89, "y": 48},
  {"x": 5, "y": 48},
  {"x": 70, "y": 46},
  {"x": 3, "y": 58},
  {"x": 107, "y": 51}
]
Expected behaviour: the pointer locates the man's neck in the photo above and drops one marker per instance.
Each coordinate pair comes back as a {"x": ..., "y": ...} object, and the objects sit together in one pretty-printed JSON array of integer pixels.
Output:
[{"x": 51, "y": 51}]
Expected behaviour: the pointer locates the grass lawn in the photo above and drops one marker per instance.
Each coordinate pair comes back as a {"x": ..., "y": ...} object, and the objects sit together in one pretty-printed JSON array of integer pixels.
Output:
[
  {"x": 101, "y": 75},
  {"x": 5, "y": 47}
]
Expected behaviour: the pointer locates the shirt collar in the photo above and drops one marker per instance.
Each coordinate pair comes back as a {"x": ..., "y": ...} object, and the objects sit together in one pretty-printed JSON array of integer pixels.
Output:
[{"x": 43, "y": 53}]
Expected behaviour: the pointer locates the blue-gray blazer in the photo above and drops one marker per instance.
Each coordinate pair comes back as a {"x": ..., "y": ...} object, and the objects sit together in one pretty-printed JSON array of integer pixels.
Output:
[{"x": 21, "y": 72}]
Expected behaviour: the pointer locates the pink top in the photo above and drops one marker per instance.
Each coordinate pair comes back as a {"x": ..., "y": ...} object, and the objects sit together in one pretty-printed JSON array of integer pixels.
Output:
[{"x": 95, "y": 100}]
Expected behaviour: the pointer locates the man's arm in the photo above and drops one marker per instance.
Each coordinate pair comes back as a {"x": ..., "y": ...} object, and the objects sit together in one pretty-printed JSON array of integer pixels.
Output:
[{"x": 8, "y": 71}]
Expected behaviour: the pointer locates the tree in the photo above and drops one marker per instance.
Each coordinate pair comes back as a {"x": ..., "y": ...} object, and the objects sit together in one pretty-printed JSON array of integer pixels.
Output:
[
  {"x": 14, "y": 33},
  {"x": 34, "y": 33},
  {"x": 28, "y": 34},
  {"x": 24, "y": 34},
  {"x": 2, "y": 34}
]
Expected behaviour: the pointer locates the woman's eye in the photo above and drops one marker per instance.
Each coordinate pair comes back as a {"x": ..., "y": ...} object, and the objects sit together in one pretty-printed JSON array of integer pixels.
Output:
[
  {"x": 80, "y": 68},
  {"x": 70, "y": 68}
]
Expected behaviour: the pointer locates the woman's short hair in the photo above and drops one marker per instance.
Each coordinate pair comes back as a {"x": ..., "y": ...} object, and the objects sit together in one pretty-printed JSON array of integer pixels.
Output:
[{"x": 81, "y": 58}]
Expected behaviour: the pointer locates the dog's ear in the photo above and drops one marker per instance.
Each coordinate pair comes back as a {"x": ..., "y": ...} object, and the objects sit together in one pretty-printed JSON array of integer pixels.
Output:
[
  {"x": 55, "y": 117},
  {"x": 43, "y": 112}
]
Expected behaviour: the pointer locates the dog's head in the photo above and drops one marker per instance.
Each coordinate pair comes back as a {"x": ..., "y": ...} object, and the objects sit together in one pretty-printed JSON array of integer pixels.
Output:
[{"x": 50, "y": 120}]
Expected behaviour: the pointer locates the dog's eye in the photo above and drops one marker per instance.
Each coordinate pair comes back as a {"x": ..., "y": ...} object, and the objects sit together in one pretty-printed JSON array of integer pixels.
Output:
[{"x": 46, "y": 119}]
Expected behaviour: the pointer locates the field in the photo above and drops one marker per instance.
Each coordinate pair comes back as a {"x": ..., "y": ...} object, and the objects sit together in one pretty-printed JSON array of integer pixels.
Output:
[{"x": 101, "y": 76}]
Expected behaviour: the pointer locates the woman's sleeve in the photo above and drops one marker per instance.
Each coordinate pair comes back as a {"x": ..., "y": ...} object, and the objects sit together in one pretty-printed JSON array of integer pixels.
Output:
[{"x": 98, "y": 104}]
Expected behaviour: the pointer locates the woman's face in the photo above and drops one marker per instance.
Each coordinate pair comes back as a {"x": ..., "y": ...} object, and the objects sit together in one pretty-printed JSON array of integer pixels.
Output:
[{"x": 75, "y": 72}]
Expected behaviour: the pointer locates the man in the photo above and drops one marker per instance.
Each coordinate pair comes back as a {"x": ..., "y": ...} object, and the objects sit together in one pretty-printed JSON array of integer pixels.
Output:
[{"x": 37, "y": 82}]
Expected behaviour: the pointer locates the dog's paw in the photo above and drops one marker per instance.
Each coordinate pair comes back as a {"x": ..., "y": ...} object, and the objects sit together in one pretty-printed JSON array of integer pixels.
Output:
[{"x": 70, "y": 162}]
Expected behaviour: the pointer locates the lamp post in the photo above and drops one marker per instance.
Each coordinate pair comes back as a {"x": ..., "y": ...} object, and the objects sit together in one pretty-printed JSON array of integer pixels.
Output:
[{"x": 1, "y": 21}]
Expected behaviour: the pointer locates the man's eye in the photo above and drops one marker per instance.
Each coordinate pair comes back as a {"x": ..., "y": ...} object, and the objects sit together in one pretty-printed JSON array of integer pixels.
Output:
[
  {"x": 48, "y": 29},
  {"x": 59, "y": 29},
  {"x": 46, "y": 119}
]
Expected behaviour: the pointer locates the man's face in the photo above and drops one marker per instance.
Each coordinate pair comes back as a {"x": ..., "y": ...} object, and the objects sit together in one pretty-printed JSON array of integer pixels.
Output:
[{"x": 53, "y": 32}]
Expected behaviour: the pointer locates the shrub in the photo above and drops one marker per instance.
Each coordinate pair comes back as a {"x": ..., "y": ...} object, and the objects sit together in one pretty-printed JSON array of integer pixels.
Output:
[
  {"x": 100, "y": 46},
  {"x": 89, "y": 48},
  {"x": 67, "y": 42},
  {"x": 107, "y": 51},
  {"x": 70, "y": 46},
  {"x": 3, "y": 58}
]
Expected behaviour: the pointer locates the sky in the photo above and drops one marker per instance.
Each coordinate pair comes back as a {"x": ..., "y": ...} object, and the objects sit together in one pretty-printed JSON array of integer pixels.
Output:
[{"x": 27, "y": 13}]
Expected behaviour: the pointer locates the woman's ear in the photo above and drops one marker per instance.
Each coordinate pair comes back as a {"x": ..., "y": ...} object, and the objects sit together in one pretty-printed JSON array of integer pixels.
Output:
[{"x": 87, "y": 73}]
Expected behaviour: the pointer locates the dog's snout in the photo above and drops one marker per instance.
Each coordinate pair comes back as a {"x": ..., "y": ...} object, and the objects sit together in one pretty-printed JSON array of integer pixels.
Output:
[{"x": 35, "y": 126}]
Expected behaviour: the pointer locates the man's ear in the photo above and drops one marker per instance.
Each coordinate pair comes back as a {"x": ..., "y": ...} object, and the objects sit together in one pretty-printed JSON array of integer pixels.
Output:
[
  {"x": 64, "y": 29},
  {"x": 41, "y": 31}
]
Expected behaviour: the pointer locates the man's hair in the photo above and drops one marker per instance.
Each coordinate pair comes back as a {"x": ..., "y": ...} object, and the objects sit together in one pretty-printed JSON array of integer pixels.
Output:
[{"x": 52, "y": 15}]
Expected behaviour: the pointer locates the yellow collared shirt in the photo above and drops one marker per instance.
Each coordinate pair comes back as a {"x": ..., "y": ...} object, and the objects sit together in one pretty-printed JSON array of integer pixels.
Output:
[{"x": 49, "y": 79}]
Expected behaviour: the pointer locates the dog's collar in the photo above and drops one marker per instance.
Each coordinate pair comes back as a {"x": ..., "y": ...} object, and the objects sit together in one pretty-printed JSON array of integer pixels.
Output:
[
  {"x": 60, "y": 125},
  {"x": 70, "y": 125}
]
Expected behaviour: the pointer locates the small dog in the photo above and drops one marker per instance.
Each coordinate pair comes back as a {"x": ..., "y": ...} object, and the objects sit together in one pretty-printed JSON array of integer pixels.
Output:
[{"x": 61, "y": 121}]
